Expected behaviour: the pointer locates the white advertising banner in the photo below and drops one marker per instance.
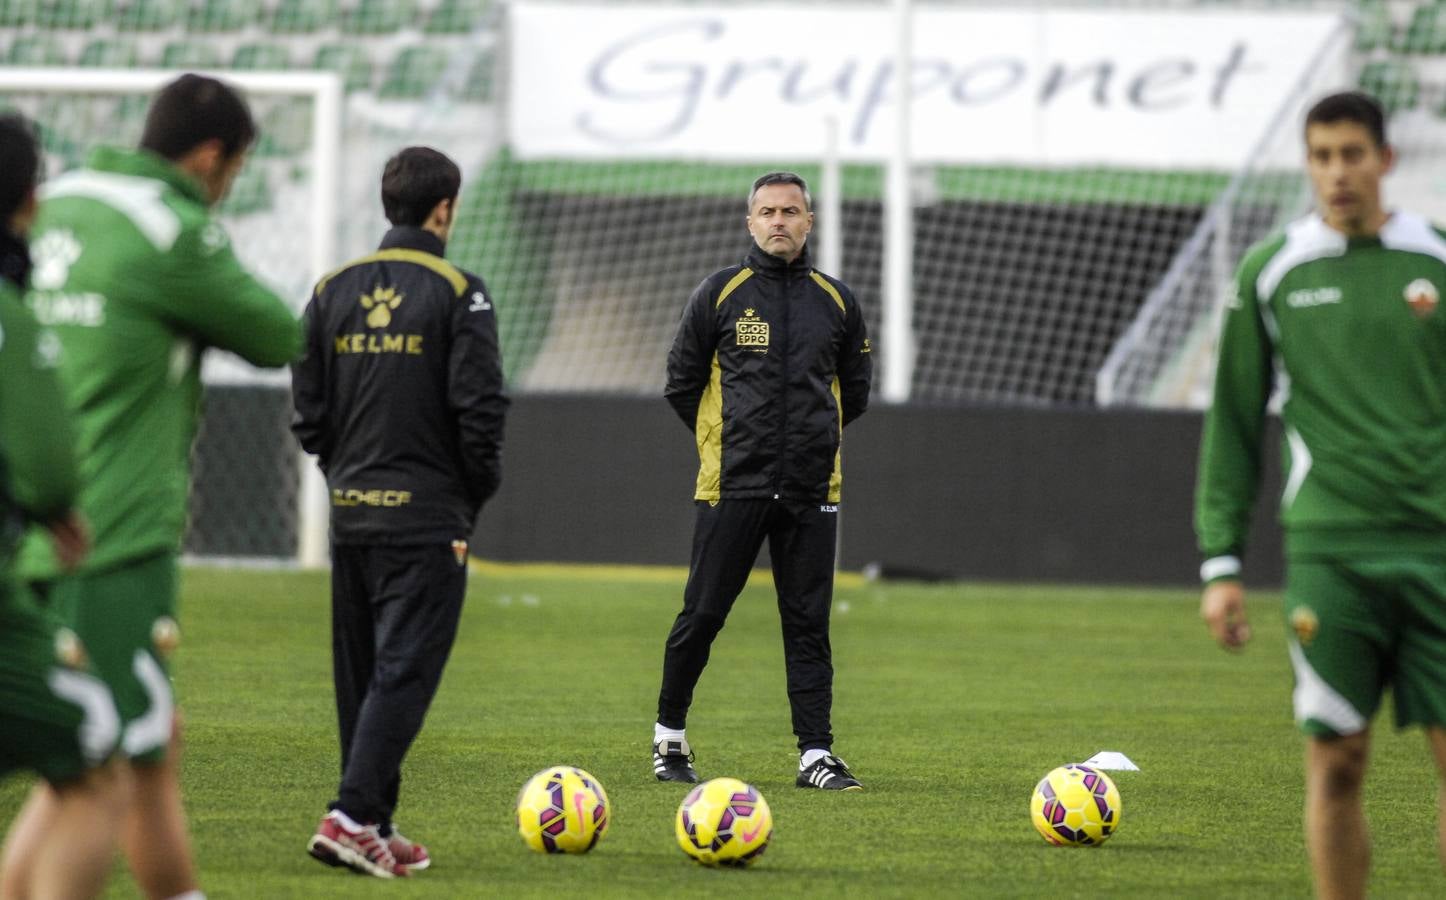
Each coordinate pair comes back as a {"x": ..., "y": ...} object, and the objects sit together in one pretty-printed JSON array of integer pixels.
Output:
[{"x": 1042, "y": 87}]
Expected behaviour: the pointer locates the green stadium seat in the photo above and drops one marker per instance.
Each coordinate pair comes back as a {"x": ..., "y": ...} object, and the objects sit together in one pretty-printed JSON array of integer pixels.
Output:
[
  {"x": 146, "y": 15},
  {"x": 1394, "y": 82},
  {"x": 190, "y": 55},
  {"x": 222, "y": 15},
  {"x": 1426, "y": 32},
  {"x": 478, "y": 88},
  {"x": 303, "y": 16},
  {"x": 17, "y": 13},
  {"x": 64, "y": 14},
  {"x": 36, "y": 50},
  {"x": 457, "y": 16},
  {"x": 261, "y": 56},
  {"x": 375, "y": 17},
  {"x": 412, "y": 73},
  {"x": 349, "y": 61},
  {"x": 1375, "y": 28},
  {"x": 108, "y": 53}
]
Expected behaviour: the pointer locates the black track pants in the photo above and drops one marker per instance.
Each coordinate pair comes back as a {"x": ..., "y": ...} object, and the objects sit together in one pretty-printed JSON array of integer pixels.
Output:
[
  {"x": 394, "y": 612},
  {"x": 726, "y": 540}
]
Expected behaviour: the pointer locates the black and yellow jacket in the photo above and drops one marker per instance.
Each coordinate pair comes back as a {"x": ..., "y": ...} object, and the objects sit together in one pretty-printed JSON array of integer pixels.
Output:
[
  {"x": 770, "y": 362},
  {"x": 399, "y": 394}
]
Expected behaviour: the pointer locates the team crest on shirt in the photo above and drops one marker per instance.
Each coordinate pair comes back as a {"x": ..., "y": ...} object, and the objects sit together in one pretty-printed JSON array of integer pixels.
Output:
[
  {"x": 69, "y": 651},
  {"x": 1304, "y": 623},
  {"x": 752, "y": 332},
  {"x": 165, "y": 636},
  {"x": 1422, "y": 297},
  {"x": 379, "y": 304},
  {"x": 459, "y": 551},
  {"x": 52, "y": 255}
]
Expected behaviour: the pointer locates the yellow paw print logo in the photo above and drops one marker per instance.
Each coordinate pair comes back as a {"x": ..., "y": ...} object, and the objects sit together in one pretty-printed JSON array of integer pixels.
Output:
[{"x": 380, "y": 304}]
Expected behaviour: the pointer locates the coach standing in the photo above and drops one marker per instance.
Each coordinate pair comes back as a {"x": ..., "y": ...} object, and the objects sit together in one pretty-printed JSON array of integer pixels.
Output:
[
  {"x": 771, "y": 361},
  {"x": 399, "y": 395}
]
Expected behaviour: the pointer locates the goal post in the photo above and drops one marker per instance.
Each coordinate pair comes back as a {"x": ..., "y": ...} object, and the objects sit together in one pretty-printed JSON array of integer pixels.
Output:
[{"x": 254, "y": 498}]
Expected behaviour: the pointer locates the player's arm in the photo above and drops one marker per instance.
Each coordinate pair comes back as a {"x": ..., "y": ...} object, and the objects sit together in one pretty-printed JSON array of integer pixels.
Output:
[
  {"x": 474, "y": 390},
  {"x": 856, "y": 361},
  {"x": 309, "y": 420},
  {"x": 690, "y": 359},
  {"x": 36, "y": 439},
  {"x": 1230, "y": 459},
  {"x": 204, "y": 288}
]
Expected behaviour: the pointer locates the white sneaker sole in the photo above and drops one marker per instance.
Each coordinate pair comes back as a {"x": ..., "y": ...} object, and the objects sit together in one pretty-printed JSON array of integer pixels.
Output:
[{"x": 334, "y": 854}]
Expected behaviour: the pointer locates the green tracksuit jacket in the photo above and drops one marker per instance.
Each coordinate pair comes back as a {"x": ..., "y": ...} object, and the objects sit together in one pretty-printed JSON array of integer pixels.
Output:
[
  {"x": 137, "y": 279},
  {"x": 1351, "y": 333},
  {"x": 38, "y": 475}
]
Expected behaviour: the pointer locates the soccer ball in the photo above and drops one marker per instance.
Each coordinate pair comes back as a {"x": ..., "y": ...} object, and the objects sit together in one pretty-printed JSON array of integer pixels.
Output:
[
  {"x": 724, "y": 822},
  {"x": 562, "y": 810},
  {"x": 1075, "y": 806}
]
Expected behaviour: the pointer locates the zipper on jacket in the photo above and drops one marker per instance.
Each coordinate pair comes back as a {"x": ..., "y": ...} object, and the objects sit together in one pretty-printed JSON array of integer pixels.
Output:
[{"x": 780, "y": 462}]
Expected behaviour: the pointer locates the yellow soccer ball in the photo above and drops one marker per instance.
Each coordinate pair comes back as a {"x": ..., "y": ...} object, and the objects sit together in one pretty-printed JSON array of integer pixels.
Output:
[
  {"x": 724, "y": 822},
  {"x": 1076, "y": 806},
  {"x": 562, "y": 810}
]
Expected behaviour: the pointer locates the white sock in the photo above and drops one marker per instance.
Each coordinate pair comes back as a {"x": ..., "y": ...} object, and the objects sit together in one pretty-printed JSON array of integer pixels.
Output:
[
  {"x": 347, "y": 822},
  {"x": 810, "y": 757},
  {"x": 190, "y": 895},
  {"x": 662, "y": 732}
]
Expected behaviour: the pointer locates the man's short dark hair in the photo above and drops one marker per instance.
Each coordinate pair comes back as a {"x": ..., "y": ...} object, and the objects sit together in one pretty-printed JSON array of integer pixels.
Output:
[
  {"x": 781, "y": 178},
  {"x": 194, "y": 109},
  {"x": 19, "y": 164},
  {"x": 1350, "y": 106},
  {"x": 415, "y": 181}
]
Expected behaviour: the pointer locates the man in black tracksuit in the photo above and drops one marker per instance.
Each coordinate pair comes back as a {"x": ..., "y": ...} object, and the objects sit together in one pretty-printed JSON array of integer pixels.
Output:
[
  {"x": 399, "y": 395},
  {"x": 770, "y": 362}
]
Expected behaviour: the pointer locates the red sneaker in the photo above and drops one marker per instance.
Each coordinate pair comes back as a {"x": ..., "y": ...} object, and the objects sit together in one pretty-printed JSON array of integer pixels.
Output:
[
  {"x": 413, "y": 856},
  {"x": 339, "y": 842}
]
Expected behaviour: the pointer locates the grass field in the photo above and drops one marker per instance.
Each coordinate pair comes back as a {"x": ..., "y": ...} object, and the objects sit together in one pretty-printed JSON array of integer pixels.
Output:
[{"x": 951, "y": 701}]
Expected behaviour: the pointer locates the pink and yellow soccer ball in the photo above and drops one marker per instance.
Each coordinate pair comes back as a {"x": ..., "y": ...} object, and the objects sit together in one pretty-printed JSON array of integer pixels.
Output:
[
  {"x": 562, "y": 810},
  {"x": 724, "y": 822},
  {"x": 1075, "y": 806}
]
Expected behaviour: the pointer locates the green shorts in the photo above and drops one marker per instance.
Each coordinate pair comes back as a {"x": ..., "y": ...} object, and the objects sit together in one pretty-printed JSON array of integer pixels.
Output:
[
  {"x": 126, "y": 617},
  {"x": 1360, "y": 625},
  {"x": 55, "y": 718}
]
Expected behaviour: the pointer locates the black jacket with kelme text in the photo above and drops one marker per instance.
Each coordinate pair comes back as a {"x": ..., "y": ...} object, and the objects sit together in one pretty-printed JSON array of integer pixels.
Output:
[
  {"x": 399, "y": 394},
  {"x": 771, "y": 360}
]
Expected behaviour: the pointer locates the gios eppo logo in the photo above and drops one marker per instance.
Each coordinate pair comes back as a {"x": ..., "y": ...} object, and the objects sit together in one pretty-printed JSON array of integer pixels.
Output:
[{"x": 752, "y": 332}]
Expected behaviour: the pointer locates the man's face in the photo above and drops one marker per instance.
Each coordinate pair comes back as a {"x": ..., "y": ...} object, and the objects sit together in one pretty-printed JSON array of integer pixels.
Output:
[
  {"x": 218, "y": 180},
  {"x": 1346, "y": 166},
  {"x": 779, "y": 220}
]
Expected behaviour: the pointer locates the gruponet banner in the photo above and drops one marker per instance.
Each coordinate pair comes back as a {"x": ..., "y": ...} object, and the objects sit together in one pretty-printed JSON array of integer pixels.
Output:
[{"x": 1035, "y": 87}]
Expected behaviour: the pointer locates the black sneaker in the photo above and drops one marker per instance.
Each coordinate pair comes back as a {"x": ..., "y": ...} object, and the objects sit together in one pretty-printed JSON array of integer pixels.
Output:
[
  {"x": 673, "y": 761},
  {"x": 829, "y": 774}
]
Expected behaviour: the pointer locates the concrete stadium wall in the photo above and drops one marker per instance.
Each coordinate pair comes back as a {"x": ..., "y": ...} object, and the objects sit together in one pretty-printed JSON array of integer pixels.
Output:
[{"x": 977, "y": 493}]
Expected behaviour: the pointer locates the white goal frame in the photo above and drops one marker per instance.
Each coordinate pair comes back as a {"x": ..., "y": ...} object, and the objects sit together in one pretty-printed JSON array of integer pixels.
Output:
[{"x": 327, "y": 96}]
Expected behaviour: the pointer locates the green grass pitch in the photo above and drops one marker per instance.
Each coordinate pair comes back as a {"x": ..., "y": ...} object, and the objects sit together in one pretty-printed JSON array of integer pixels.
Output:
[{"x": 951, "y": 702}]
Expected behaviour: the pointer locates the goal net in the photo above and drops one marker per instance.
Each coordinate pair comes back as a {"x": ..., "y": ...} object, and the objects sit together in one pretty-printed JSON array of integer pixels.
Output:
[
  {"x": 1057, "y": 230},
  {"x": 1166, "y": 356}
]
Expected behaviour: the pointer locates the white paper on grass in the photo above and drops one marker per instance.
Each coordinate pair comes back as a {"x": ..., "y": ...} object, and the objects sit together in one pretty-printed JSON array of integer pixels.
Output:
[{"x": 1112, "y": 759}]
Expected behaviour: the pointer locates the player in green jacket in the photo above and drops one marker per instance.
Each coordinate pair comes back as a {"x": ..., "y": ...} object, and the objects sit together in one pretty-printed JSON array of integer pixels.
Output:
[
  {"x": 56, "y": 719},
  {"x": 137, "y": 278},
  {"x": 1340, "y": 315}
]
